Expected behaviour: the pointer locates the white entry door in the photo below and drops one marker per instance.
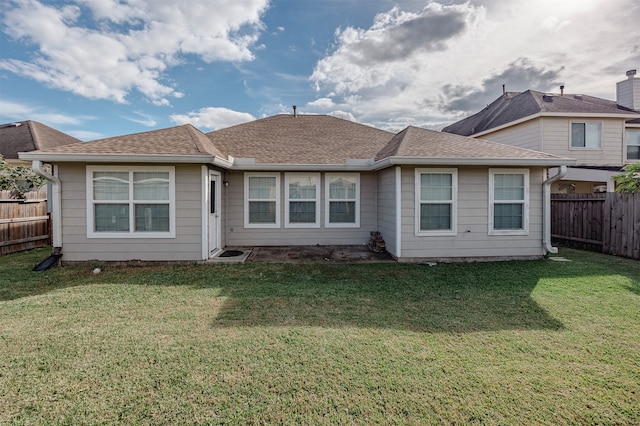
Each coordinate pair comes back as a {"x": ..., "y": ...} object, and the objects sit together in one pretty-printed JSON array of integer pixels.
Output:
[{"x": 214, "y": 213}]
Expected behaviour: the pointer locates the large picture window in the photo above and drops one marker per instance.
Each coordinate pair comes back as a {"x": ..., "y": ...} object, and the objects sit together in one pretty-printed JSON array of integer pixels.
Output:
[
  {"x": 586, "y": 135},
  {"x": 303, "y": 199},
  {"x": 127, "y": 202},
  {"x": 436, "y": 198},
  {"x": 342, "y": 194},
  {"x": 262, "y": 200},
  {"x": 508, "y": 202}
]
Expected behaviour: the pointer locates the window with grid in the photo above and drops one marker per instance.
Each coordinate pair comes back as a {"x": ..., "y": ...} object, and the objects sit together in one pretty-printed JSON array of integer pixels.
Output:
[
  {"x": 436, "y": 197},
  {"x": 125, "y": 202},
  {"x": 342, "y": 193},
  {"x": 633, "y": 144},
  {"x": 303, "y": 197},
  {"x": 262, "y": 200},
  {"x": 586, "y": 135},
  {"x": 508, "y": 202}
]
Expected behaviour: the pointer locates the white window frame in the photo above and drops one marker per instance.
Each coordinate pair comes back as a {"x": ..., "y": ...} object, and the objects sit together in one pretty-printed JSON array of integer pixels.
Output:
[
  {"x": 91, "y": 233},
  {"x": 627, "y": 132},
  {"x": 524, "y": 202},
  {"x": 287, "y": 223},
  {"x": 327, "y": 203},
  {"x": 453, "y": 202},
  {"x": 247, "y": 224},
  {"x": 585, "y": 122}
]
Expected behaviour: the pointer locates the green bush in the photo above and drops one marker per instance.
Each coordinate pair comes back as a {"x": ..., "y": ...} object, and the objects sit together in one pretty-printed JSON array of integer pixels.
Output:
[
  {"x": 629, "y": 181},
  {"x": 18, "y": 179}
]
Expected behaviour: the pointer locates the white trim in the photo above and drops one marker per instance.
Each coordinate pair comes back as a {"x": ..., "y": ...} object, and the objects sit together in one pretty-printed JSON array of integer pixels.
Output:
[
  {"x": 218, "y": 206},
  {"x": 524, "y": 202},
  {"x": 131, "y": 202},
  {"x": 398, "y": 172},
  {"x": 204, "y": 177},
  {"x": 453, "y": 202},
  {"x": 505, "y": 162},
  {"x": 328, "y": 200},
  {"x": 288, "y": 201},
  {"x": 246, "y": 201},
  {"x": 585, "y": 148}
]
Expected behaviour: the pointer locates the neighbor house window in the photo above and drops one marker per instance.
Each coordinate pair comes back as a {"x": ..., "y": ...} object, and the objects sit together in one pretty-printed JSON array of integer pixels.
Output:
[
  {"x": 586, "y": 135},
  {"x": 508, "y": 202},
  {"x": 303, "y": 199},
  {"x": 127, "y": 202},
  {"x": 342, "y": 193},
  {"x": 633, "y": 144},
  {"x": 262, "y": 200},
  {"x": 436, "y": 199}
]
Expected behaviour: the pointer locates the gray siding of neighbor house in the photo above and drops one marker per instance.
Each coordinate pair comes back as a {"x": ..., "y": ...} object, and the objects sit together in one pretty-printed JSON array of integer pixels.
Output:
[
  {"x": 238, "y": 235},
  {"x": 387, "y": 208},
  {"x": 525, "y": 135},
  {"x": 186, "y": 246},
  {"x": 472, "y": 240}
]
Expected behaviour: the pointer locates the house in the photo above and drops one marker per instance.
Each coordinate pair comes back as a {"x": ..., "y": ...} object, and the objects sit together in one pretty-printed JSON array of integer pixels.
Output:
[
  {"x": 602, "y": 135},
  {"x": 24, "y": 136},
  {"x": 292, "y": 180}
]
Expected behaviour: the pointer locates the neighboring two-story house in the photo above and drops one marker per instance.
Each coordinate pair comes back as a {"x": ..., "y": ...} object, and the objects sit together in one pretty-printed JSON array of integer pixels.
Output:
[{"x": 602, "y": 135}]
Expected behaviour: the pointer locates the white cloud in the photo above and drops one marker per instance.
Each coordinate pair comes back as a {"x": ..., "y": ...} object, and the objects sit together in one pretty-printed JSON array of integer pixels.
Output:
[
  {"x": 105, "y": 49},
  {"x": 212, "y": 118},
  {"x": 416, "y": 64},
  {"x": 142, "y": 118},
  {"x": 16, "y": 111}
]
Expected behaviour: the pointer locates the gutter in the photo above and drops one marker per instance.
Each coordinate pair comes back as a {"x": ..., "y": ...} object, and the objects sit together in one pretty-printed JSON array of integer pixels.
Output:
[
  {"x": 546, "y": 206},
  {"x": 56, "y": 201}
]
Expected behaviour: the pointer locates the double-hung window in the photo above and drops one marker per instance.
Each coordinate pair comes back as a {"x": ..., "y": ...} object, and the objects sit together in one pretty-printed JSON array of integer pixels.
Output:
[
  {"x": 303, "y": 199},
  {"x": 436, "y": 198},
  {"x": 342, "y": 194},
  {"x": 508, "y": 202},
  {"x": 633, "y": 144},
  {"x": 262, "y": 200},
  {"x": 125, "y": 202},
  {"x": 586, "y": 134}
]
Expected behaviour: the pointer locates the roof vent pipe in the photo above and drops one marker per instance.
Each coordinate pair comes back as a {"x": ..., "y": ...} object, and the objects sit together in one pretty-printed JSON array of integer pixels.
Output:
[
  {"x": 295, "y": 114},
  {"x": 631, "y": 73},
  {"x": 504, "y": 90},
  {"x": 562, "y": 90}
]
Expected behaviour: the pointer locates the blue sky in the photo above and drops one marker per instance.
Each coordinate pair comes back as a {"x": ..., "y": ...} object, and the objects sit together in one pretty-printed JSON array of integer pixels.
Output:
[{"x": 100, "y": 68}]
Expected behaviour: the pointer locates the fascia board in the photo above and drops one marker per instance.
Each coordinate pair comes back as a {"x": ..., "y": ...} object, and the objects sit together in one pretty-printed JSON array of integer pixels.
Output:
[
  {"x": 116, "y": 158},
  {"x": 424, "y": 161}
]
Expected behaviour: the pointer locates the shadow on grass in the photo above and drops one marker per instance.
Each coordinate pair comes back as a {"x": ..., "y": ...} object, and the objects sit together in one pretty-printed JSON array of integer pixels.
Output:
[{"x": 444, "y": 298}]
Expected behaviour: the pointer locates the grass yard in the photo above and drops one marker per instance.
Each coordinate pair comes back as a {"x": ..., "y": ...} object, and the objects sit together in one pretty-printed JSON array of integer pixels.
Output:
[{"x": 536, "y": 342}]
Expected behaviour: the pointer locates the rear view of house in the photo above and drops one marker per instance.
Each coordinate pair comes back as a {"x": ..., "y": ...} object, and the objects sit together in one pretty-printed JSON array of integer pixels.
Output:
[{"x": 180, "y": 195}]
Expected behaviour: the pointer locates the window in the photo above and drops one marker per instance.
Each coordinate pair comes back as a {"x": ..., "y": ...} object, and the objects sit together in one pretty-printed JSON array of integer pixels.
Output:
[
  {"x": 127, "y": 202},
  {"x": 436, "y": 199},
  {"x": 262, "y": 200},
  {"x": 303, "y": 198},
  {"x": 586, "y": 135},
  {"x": 342, "y": 193},
  {"x": 633, "y": 144},
  {"x": 508, "y": 202}
]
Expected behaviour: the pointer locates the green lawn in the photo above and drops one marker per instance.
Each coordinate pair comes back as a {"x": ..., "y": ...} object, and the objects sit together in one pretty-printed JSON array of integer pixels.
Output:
[{"x": 536, "y": 342}]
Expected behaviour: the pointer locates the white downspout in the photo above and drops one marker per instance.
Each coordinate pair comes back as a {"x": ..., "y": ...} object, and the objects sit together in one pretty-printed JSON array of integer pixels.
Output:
[
  {"x": 56, "y": 204},
  {"x": 546, "y": 220}
]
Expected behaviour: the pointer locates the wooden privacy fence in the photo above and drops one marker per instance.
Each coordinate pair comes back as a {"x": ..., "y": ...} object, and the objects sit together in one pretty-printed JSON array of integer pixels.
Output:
[
  {"x": 607, "y": 222},
  {"x": 24, "y": 224}
]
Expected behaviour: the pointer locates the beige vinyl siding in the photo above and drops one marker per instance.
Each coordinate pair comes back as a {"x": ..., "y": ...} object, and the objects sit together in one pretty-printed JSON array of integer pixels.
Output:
[
  {"x": 525, "y": 135},
  {"x": 187, "y": 246},
  {"x": 556, "y": 136},
  {"x": 238, "y": 235},
  {"x": 387, "y": 208},
  {"x": 472, "y": 239}
]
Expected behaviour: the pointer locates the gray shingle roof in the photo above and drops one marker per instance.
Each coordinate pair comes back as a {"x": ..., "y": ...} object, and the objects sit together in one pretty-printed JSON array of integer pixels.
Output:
[
  {"x": 25, "y": 136},
  {"x": 302, "y": 139},
  {"x": 514, "y": 106}
]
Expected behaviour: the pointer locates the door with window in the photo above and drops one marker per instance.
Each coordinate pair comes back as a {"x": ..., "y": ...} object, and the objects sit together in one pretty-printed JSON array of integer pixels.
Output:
[{"x": 214, "y": 213}]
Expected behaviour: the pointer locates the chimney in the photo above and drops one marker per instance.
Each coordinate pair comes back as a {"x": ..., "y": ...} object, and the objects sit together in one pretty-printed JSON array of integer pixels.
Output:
[
  {"x": 628, "y": 91},
  {"x": 295, "y": 114},
  {"x": 562, "y": 90}
]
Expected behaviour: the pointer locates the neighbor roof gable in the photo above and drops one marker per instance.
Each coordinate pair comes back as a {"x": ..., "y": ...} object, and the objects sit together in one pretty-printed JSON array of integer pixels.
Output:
[{"x": 25, "y": 136}]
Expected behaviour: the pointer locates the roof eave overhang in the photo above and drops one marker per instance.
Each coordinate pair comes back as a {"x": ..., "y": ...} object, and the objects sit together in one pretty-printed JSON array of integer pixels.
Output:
[
  {"x": 300, "y": 167},
  {"x": 504, "y": 162},
  {"x": 51, "y": 157},
  {"x": 624, "y": 116}
]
